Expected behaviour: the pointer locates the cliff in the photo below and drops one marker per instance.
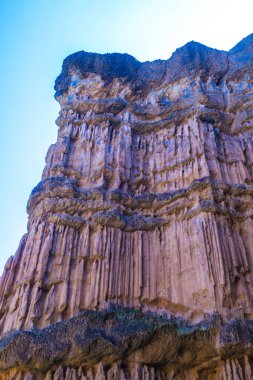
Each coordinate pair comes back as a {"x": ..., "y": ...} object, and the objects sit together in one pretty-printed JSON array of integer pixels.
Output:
[{"x": 138, "y": 260}]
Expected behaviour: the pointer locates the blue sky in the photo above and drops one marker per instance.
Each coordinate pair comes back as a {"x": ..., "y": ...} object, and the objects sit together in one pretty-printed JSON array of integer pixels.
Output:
[{"x": 35, "y": 37}]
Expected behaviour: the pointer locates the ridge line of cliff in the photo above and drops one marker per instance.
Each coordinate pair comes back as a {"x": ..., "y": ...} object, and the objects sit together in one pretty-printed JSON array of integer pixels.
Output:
[{"x": 193, "y": 56}]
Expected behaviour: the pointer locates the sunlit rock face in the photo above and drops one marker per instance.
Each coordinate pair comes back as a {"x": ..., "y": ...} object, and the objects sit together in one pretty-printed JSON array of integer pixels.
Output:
[{"x": 145, "y": 204}]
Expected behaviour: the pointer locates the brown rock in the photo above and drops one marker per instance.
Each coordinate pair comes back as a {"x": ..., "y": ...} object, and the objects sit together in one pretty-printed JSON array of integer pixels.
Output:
[{"x": 145, "y": 202}]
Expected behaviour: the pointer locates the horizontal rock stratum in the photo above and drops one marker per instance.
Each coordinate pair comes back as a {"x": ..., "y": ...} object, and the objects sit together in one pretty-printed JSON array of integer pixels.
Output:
[{"x": 138, "y": 260}]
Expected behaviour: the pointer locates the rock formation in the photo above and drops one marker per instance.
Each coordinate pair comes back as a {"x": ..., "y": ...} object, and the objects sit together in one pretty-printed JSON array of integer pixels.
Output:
[{"x": 138, "y": 260}]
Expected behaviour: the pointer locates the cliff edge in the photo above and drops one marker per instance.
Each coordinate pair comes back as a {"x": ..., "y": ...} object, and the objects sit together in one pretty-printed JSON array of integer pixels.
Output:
[{"x": 138, "y": 259}]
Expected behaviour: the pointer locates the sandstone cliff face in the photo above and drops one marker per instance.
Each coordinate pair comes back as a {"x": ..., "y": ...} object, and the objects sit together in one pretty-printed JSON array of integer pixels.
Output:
[{"x": 145, "y": 202}]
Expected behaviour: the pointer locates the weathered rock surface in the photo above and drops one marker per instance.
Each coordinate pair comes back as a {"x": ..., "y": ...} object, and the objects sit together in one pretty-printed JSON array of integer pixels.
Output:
[
  {"x": 108, "y": 341},
  {"x": 145, "y": 202}
]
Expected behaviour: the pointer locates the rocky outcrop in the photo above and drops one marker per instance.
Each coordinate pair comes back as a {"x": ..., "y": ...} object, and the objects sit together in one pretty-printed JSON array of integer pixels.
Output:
[
  {"x": 146, "y": 203},
  {"x": 116, "y": 345}
]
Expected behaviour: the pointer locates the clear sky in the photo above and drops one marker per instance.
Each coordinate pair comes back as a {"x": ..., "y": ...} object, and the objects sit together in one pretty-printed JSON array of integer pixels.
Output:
[{"x": 35, "y": 37}]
